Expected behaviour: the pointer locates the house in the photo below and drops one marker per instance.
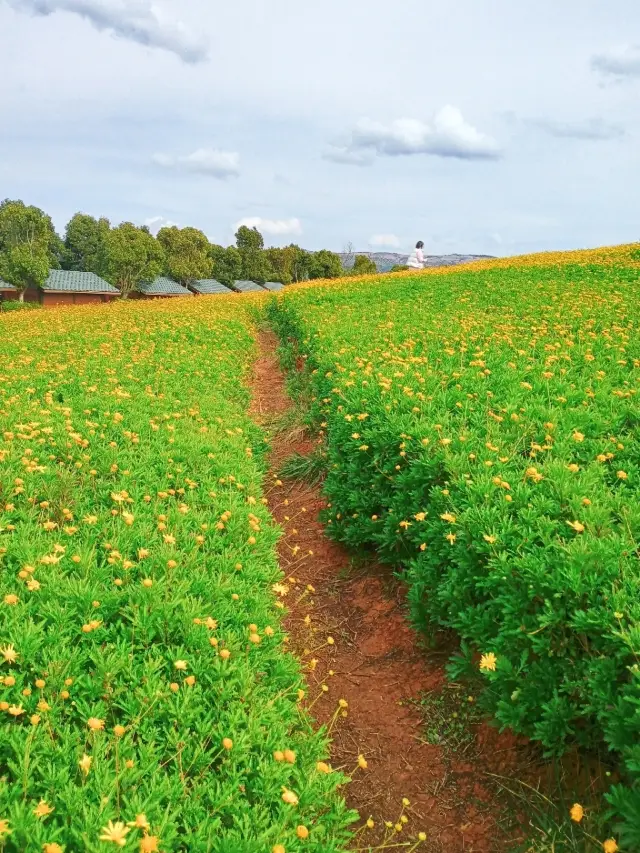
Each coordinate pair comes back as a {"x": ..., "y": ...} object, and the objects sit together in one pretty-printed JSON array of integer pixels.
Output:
[
  {"x": 7, "y": 291},
  {"x": 159, "y": 288},
  {"x": 248, "y": 287},
  {"x": 208, "y": 286},
  {"x": 68, "y": 287},
  {"x": 273, "y": 286}
]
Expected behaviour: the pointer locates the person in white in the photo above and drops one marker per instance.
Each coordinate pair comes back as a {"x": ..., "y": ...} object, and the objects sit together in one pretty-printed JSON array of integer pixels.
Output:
[{"x": 416, "y": 258}]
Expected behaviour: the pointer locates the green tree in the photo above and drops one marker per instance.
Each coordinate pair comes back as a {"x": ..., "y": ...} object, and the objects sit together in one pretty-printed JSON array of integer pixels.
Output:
[
  {"x": 363, "y": 265},
  {"x": 300, "y": 262},
  {"x": 227, "y": 264},
  {"x": 29, "y": 245},
  {"x": 187, "y": 253},
  {"x": 133, "y": 255},
  {"x": 84, "y": 244},
  {"x": 281, "y": 263},
  {"x": 325, "y": 264},
  {"x": 255, "y": 264}
]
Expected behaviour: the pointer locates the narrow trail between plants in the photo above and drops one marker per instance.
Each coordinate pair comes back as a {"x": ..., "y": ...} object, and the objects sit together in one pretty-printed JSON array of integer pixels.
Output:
[{"x": 376, "y": 665}]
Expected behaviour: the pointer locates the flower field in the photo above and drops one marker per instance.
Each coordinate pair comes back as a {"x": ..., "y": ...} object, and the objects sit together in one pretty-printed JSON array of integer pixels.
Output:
[
  {"x": 147, "y": 701},
  {"x": 483, "y": 432}
]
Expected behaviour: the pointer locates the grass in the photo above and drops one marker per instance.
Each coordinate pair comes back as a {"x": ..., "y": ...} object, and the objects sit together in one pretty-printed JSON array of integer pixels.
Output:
[{"x": 309, "y": 469}]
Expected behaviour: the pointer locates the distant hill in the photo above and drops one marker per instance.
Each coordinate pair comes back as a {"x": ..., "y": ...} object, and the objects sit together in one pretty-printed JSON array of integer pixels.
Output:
[{"x": 385, "y": 260}]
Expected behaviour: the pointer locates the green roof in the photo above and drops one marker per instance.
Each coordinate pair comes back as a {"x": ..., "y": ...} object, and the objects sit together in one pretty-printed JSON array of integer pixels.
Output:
[
  {"x": 4, "y": 285},
  {"x": 273, "y": 285},
  {"x": 247, "y": 286},
  {"x": 206, "y": 286},
  {"x": 162, "y": 286},
  {"x": 70, "y": 281}
]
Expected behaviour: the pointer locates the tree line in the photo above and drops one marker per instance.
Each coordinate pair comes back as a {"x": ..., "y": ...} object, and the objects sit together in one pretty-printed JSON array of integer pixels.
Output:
[{"x": 126, "y": 254}]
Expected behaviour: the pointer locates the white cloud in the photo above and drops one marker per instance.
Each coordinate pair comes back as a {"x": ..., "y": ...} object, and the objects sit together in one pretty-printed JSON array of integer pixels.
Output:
[
  {"x": 204, "y": 161},
  {"x": 448, "y": 135},
  {"x": 155, "y": 223},
  {"x": 620, "y": 63},
  {"x": 385, "y": 240},
  {"x": 592, "y": 129},
  {"x": 135, "y": 20},
  {"x": 273, "y": 227}
]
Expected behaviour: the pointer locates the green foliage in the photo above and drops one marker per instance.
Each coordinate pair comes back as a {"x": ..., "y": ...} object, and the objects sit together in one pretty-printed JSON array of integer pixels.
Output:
[
  {"x": 187, "y": 253},
  {"x": 325, "y": 264},
  {"x": 227, "y": 264},
  {"x": 255, "y": 263},
  {"x": 309, "y": 469},
  {"x": 363, "y": 265},
  {"x": 136, "y": 569},
  {"x": 133, "y": 255},
  {"x": 483, "y": 434},
  {"x": 398, "y": 268},
  {"x": 85, "y": 244},
  {"x": 29, "y": 245}
]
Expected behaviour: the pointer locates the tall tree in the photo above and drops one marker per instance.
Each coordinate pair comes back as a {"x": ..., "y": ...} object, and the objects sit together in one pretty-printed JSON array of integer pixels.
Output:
[
  {"x": 84, "y": 244},
  {"x": 187, "y": 253},
  {"x": 300, "y": 262},
  {"x": 133, "y": 255},
  {"x": 281, "y": 263},
  {"x": 255, "y": 264},
  {"x": 29, "y": 245},
  {"x": 325, "y": 264},
  {"x": 227, "y": 264}
]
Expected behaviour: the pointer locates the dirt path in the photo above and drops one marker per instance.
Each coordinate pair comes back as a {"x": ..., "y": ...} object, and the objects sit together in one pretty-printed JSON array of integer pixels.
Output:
[{"x": 375, "y": 665}]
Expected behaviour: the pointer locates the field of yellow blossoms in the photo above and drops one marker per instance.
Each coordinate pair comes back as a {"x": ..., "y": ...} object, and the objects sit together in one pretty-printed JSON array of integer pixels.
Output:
[
  {"x": 483, "y": 433},
  {"x": 147, "y": 701}
]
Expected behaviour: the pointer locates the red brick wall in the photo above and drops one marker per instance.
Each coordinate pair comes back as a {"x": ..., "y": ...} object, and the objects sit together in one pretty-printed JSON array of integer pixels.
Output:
[{"x": 49, "y": 299}]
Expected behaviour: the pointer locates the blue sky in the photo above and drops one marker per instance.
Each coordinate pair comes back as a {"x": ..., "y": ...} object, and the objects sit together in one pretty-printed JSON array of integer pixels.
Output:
[{"x": 477, "y": 125}]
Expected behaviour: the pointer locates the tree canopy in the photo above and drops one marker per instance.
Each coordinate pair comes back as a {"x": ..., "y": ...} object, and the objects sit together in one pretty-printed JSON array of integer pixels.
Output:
[
  {"x": 255, "y": 263},
  {"x": 325, "y": 264},
  {"x": 84, "y": 244},
  {"x": 227, "y": 264},
  {"x": 29, "y": 245},
  {"x": 187, "y": 253},
  {"x": 134, "y": 255}
]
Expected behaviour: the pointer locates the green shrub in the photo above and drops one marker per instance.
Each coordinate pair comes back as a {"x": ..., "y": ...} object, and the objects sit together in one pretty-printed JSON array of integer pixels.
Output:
[{"x": 482, "y": 434}]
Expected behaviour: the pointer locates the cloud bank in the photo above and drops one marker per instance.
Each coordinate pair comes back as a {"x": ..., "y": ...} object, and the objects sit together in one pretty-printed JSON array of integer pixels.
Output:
[
  {"x": 448, "y": 135},
  {"x": 621, "y": 63},
  {"x": 204, "y": 161},
  {"x": 273, "y": 227},
  {"x": 592, "y": 129},
  {"x": 134, "y": 20}
]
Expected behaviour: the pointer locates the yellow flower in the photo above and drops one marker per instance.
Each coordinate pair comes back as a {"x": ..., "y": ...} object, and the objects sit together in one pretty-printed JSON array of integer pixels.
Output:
[
  {"x": 576, "y": 812},
  {"x": 42, "y": 809},
  {"x": 622, "y": 475},
  {"x": 302, "y": 832},
  {"x": 4, "y": 828},
  {"x": 227, "y": 743},
  {"x": 11, "y": 599},
  {"x": 321, "y": 767},
  {"x": 610, "y": 846},
  {"x": 289, "y": 797},
  {"x": 16, "y": 710},
  {"x": 85, "y": 764},
  {"x": 180, "y": 664},
  {"x": 119, "y": 731},
  {"x": 577, "y": 526},
  {"x": 490, "y": 539},
  {"x": 52, "y": 847},
  {"x": 140, "y": 822},
  {"x": 9, "y": 654},
  {"x": 578, "y": 436},
  {"x": 149, "y": 844},
  {"x": 447, "y": 516},
  {"x": 488, "y": 662},
  {"x": 95, "y": 724},
  {"x": 362, "y": 762},
  {"x": 115, "y": 832}
]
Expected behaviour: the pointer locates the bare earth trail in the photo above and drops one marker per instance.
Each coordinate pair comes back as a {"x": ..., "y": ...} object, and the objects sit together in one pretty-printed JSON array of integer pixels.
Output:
[{"x": 378, "y": 668}]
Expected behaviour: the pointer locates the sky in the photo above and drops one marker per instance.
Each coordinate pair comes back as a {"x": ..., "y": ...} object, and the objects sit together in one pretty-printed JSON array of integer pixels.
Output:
[{"x": 478, "y": 126}]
